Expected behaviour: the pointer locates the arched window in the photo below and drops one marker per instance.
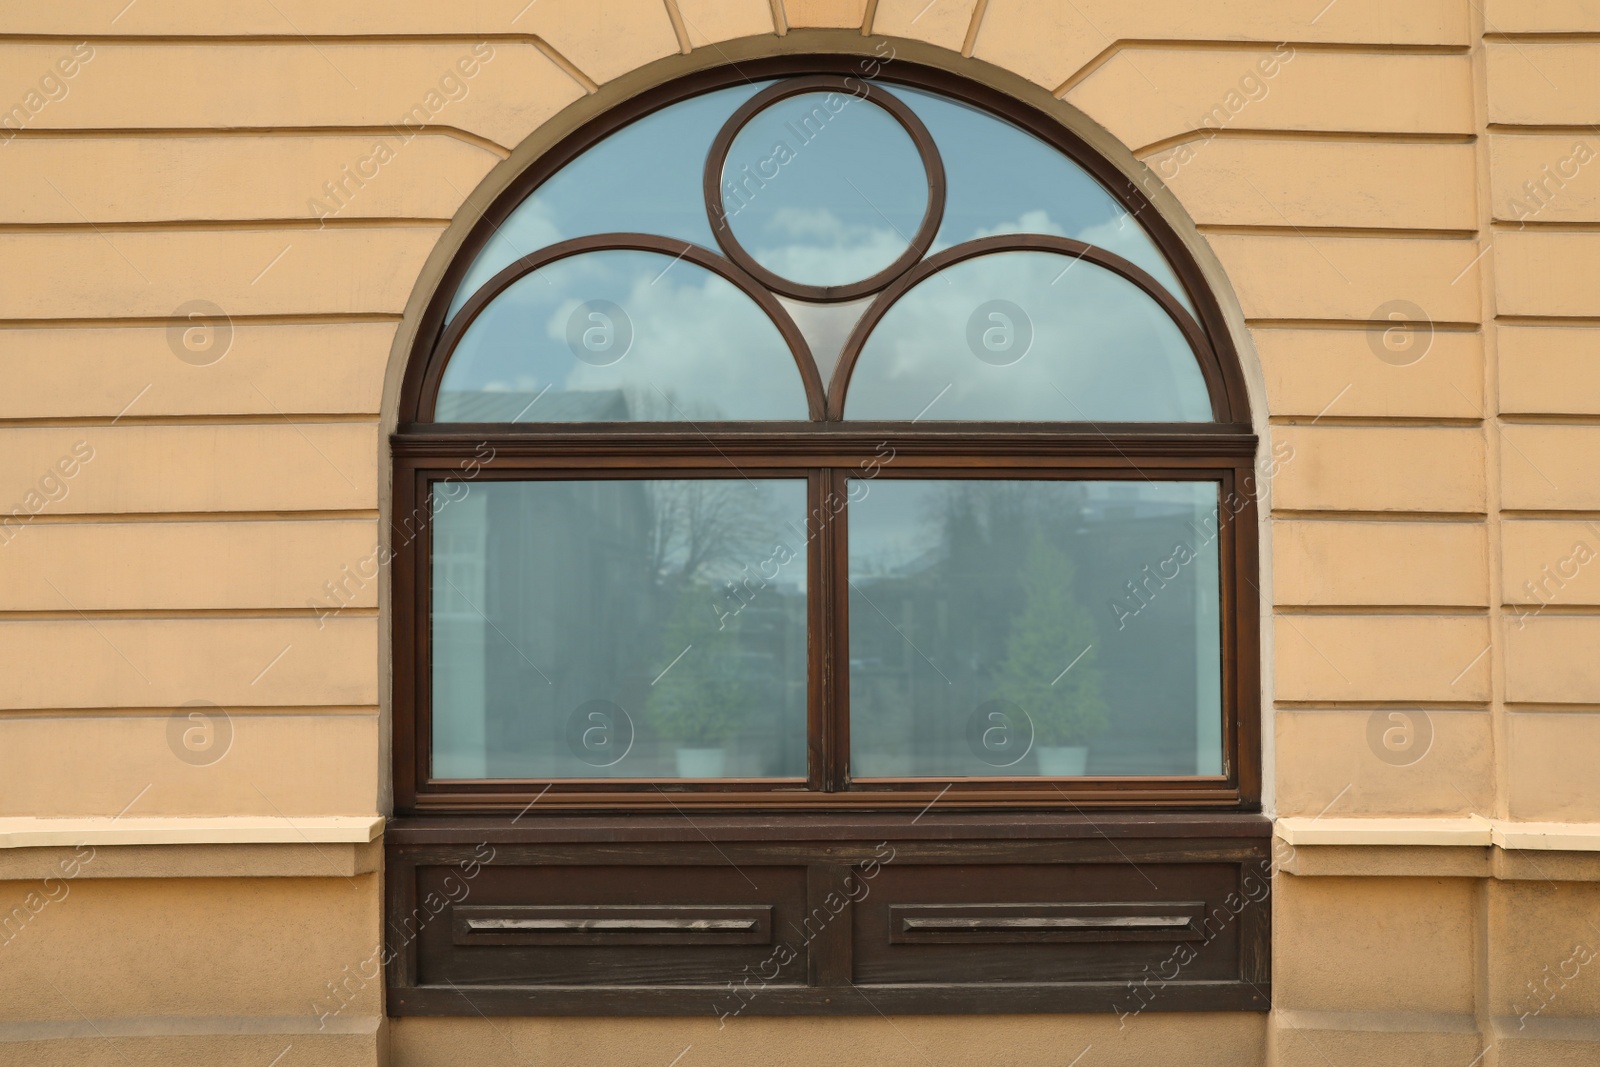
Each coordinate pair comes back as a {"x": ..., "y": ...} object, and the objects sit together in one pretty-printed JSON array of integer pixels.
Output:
[
  {"x": 846, "y": 437},
  {"x": 798, "y": 440}
]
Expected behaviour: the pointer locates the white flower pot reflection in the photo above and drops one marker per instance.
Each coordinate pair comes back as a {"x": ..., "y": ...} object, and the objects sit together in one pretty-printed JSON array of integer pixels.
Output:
[
  {"x": 1062, "y": 761},
  {"x": 702, "y": 762}
]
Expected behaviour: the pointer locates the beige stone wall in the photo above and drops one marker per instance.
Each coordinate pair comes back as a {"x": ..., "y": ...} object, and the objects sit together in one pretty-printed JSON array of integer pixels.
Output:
[{"x": 188, "y": 488}]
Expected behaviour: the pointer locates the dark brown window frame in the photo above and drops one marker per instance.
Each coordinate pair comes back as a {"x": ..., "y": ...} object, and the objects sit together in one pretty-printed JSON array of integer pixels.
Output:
[
  {"x": 1188, "y": 838},
  {"x": 824, "y": 451}
]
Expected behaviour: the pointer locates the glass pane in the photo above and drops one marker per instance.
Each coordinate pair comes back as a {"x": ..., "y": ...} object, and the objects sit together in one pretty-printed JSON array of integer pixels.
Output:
[
  {"x": 619, "y": 629},
  {"x": 1027, "y": 336},
  {"x": 1002, "y": 179},
  {"x": 1034, "y": 628},
  {"x": 621, "y": 336},
  {"x": 645, "y": 178},
  {"x": 824, "y": 188}
]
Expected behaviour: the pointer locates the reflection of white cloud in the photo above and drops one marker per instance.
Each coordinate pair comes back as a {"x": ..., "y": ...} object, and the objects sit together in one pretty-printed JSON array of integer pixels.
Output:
[
  {"x": 696, "y": 339},
  {"x": 1037, "y": 221},
  {"x": 1105, "y": 345},
  {"x": 816, "y": 247},
  {"x": 531, "y": 227},
  {"x": 1120, "y": 235}
]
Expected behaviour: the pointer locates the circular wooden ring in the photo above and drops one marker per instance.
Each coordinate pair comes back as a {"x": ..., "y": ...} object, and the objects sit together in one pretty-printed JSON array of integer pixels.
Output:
[{"x": 861, "y": 89}]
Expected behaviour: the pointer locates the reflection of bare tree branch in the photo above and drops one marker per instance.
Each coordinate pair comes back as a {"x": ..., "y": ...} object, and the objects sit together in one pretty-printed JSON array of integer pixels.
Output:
[{"x": 701, "y": 524}]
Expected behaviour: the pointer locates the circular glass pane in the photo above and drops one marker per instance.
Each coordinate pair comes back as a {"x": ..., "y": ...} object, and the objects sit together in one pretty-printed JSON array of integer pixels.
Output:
[{"x": 824, "y": 188}]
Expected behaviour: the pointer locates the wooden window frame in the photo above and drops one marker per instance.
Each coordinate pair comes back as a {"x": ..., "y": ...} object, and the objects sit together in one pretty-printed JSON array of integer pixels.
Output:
[{"x": 1183, "y": 829}]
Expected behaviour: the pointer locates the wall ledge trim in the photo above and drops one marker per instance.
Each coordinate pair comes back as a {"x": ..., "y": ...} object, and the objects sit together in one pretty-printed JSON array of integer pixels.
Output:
[
  {"x": 29, "y": 832},
  {"x": 1473, "y": 831}
]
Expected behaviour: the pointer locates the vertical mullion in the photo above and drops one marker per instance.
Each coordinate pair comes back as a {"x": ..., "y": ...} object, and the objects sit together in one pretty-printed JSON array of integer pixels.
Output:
[
  {"x": 837, "y": 549},
  {"x": 819, "y": 648}
]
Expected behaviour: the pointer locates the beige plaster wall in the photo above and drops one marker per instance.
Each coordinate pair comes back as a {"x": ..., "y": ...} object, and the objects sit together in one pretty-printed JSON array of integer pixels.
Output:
[{"x": 193, "y": 490}]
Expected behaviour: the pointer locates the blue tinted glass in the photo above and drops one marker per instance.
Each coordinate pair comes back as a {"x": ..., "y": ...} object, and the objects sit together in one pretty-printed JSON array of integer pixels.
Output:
[
  {"x": 645, "y": 178},
  {"x": 1004, "y": 180},
  {"x": 824, "y": 188},
  {"x": 1027, "y": 336},
  {"x": 1054, "y": 628},
  {"x": 621, "y": 336}
]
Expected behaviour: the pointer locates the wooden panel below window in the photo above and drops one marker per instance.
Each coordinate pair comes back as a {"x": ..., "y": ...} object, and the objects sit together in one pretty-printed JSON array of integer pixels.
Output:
[{"x": 782, "y": 915}]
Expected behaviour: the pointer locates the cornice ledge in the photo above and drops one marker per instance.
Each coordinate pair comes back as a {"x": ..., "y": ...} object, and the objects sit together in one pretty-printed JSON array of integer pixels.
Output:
[{"x": 30, "y": 832}]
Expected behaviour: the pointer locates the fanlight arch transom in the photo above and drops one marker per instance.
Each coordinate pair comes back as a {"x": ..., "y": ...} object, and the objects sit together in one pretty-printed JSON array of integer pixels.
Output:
[{"x": 827, "y": 248}]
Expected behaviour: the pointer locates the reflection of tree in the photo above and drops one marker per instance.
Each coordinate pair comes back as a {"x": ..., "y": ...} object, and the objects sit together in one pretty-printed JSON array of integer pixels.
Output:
[
  {"x": 981, "y": 597},
  {"x": 704, "y": 697},
  {"x": 1052, "y": 628},
  {"x": 698, "y": 525},
  {"x": 707, "y": 540}
]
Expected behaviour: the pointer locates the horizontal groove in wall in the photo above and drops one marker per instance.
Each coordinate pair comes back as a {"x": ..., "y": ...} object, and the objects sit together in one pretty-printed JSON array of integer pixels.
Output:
[
  {"x": 208, "y": 419},
  {"x": 1414, "y": 610},
  {"x": 205, "y": 132},
  {"x": 1254, "y": 133},
  {"x": 1503, "y": 225},
  {"x": 1443, "y": 421},
  {"x": 1387, "y": 232},
  {"x": 163, "y": 321},
  {"x": 1547, "y": 320},
  {"x": 103, "y": 517},
  {"x": 1576, "y": 707},
  {"x": 1533, "y": 129},
  {"x": 1375, "y": 705},
  {"x": 1528, "y": 418},
  {"x": 1577, "y": 515},
  {"x": 288, "y": 222},
  {"x": 1363, "y": 325},
  {"x": 1542, "y": 37},
  {"x": 210, "y": 614},
  {"x": 285, "y": 711},
  {"x": 1528, "y": 610},
  {"x": 1339, "y": 515}
]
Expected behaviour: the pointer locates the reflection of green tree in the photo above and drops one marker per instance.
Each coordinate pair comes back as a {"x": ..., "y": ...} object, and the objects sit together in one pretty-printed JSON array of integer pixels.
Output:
[
  {"x": 703, "y": 699},
  {"x": 1052, "y": 628}
]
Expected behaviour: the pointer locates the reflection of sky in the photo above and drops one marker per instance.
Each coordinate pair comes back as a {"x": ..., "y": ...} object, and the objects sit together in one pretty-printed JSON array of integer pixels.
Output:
[
  {"x": 1002, "y": 179},
  {"x": 823, "y": 221},
  {"x": 1101, "y": 350},
  {"x": 695, "y": 338},
  {"x": 897, "y": 523},
  {"x": 645, "y": 178},
  {"x": 824, "y": 188}
]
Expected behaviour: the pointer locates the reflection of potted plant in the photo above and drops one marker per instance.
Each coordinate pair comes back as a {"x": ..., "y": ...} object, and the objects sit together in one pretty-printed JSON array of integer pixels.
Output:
[
  {"x": 702, "y": 699},
  {"x": 1052, "y": 629}
]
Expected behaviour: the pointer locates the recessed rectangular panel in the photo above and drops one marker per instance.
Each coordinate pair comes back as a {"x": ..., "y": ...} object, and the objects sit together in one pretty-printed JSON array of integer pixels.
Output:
[
  {"x": 1052, "y": 923},
  {"x": 569, "y": 925}
]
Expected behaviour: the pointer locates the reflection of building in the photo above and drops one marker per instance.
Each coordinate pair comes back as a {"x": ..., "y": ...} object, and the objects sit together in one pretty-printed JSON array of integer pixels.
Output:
[
  {"x": 956, "y": 604},
  {"x": 553, "y": 405},
  {"x": 589, "y": 602}
]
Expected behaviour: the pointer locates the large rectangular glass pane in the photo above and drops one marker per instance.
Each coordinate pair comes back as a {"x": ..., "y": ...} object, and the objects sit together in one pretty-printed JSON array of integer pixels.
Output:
[
  {"x": 623, "y": 629},
  {"x": 1056, "y": 628}
]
